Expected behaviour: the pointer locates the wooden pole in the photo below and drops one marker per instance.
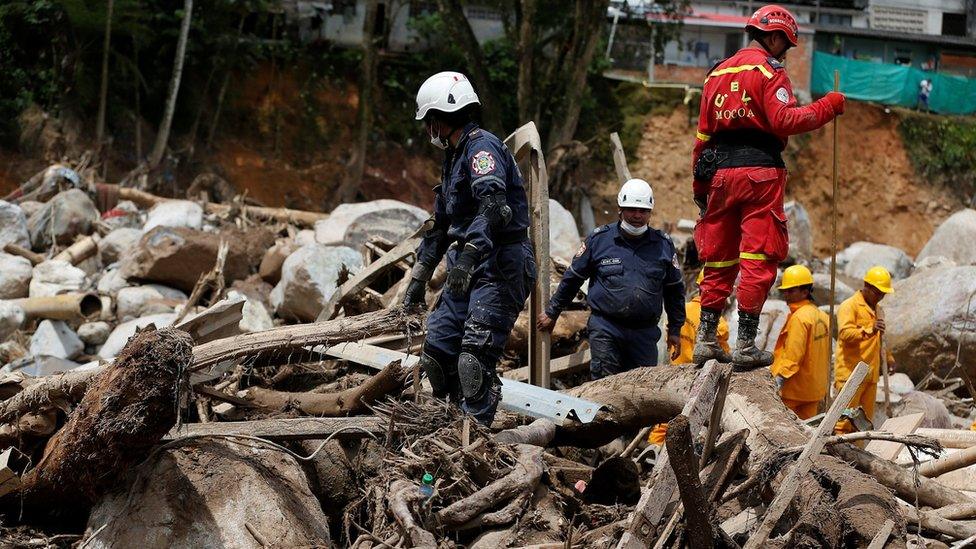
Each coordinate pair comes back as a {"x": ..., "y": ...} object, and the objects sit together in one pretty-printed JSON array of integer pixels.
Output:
[
  {"x": 833, "y": 241},
  {"x": 884, "y": 368},
  {"x": 958, "y": 460}
]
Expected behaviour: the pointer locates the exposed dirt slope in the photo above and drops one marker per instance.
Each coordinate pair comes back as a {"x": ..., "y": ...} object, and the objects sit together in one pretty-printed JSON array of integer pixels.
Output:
[{"x": 881, "y": 197}]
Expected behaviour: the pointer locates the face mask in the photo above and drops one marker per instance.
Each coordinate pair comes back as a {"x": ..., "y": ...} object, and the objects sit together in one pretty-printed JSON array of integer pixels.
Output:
[
  {"x": 632, "y": 230},
  {"x": 439, "y": 142}
]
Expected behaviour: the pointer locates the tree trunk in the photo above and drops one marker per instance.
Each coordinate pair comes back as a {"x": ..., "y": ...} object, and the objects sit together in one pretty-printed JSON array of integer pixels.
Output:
[
  {"x": 453, "y": 13},
  {"x": 174, "y": 88},
  {"x": 526, "y": 53},
  {"x": 353, "y": 178},
  {"x": 589, "y": 20},
  {"x": 127, "y": 410},
  {"x": 223, "y": 89},
  {"x": 138, "y": 106},
  {"x": 832, "y": 494},
  {"x": 103, "y": 92}
]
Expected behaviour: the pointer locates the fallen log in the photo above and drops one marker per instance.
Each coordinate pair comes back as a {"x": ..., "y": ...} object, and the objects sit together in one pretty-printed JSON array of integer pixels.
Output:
[
  {"x": 950, "y": 438},
  {"x": 299, "y": 428},
  {"x": 343, "y": 403},
  {"x": 33, "y": 257},
  {"x": 57, "y": 391},
  {"x": 958, "y": 460},
  {"x": 698, "y": 511},
  {"x": 294, "y": 340},
  {"x": 855, "y": 501},
  {"x": 937, "y": 524},
  {"x": 957, "y": 511},
  {"x": 126, "y": 411}
]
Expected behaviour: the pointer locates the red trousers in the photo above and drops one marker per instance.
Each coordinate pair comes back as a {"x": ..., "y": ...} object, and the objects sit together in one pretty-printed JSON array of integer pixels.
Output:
[{"x": 743, "y": 231}]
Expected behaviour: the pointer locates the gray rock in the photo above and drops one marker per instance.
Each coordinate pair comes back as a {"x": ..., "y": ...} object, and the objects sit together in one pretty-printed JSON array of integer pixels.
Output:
[
  {"x": 55, "y": 277},
  {"x": 857, "y": 258},
  {"x": 112, "y": 281},
  {"x": 256, "y": 317},
  {"x": 821, "y": 289},
  {"x": 174, "y": 213},
  {"x": 94, "y": 333},
  {"x": 15, "y": 276},
  {"x": 801, "y": 231},
  {"x": 37, "y": 366},
  {"x": 55, "y": 338},
  {"x": 13, "y": 226},
  {"x": 305, "y": 237},
  {"x": 121, "y": 334},
  {"x": 30, "y": 207},
  {"x": 117, "y": 242},
  {"x": 954, "y": 239},
  {"x": 353, "y": 224},
  {"x": 64, "y": 217},
  {"x": 564, "y": 237},
  {"x": 12, "y": 318},
  {"x": 928, "y": 316},
  {"x": 150, "y": 299},
  {"x": 212, "y": 493},
  {"x": 934, "y": 262},
  {"x": 125, "y": 214},
  {"x": 308, "y": 279}
]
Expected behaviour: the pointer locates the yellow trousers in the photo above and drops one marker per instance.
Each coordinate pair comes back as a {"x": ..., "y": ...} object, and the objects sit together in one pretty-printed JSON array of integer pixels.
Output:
[
  {"x": 803, "y": 409},
  {"x": 864, "y": 397}
]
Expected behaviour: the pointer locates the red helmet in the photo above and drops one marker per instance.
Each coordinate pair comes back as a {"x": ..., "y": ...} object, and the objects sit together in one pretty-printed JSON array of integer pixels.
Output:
[{"x": 775, "y": 18}]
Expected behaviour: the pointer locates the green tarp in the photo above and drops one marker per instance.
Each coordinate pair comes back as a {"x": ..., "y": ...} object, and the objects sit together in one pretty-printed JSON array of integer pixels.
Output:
[{"x": 892, "y": 84}]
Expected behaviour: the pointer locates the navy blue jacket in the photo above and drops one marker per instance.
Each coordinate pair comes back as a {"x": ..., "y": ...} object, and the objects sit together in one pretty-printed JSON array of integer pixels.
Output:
[
  {"x": 479, "y": 166},
  {"x": 629, "y": 278}
]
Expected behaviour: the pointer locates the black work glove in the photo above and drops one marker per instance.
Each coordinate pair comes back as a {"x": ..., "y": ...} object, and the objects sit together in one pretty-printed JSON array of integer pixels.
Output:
[
  {"x": 416, "y": 293},
  {"x": 701, "y": 200},
  {"x": 459, "y": 279}
]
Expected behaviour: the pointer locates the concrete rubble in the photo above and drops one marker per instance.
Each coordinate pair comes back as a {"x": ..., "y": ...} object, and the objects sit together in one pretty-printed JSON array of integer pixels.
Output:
[{"x": 203, "y": 375}]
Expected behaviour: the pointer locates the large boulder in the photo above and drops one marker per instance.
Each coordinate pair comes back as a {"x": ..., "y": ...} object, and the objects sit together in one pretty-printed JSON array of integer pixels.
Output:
[
  {"x": 309, "y": 277},
  {"x": 212, "y": 493},
  {"x": 146, "y": 300},
  {"x": 174, "y": 213},
  {"x": 255, "y": 317},
  {"x": 121, "y": 334},
  {"x": 55, "y": 338},
  {"x": 178, "y": 256},
  {"x": 564, "y": 237},
  {"x": 13, "y": 226},
  {"x": 115, "y": 244},
  {"x": 64, "y": 217},
  {"x": 857, "y": 258},
  {"x": 954, "y": 239},
  {"x": 353, "y": 224},
  {"x": 928, "y": 316},
  {"x": 15, "y": 276},
  {"x": 801, "y": 231},
  {"x": 821, "y": 289},
  {"x": 771, "y": 321},
  {"x": 55, "y": 277}
]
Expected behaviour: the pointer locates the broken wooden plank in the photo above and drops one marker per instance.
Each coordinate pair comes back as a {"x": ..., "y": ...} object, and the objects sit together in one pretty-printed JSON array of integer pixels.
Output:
[
  {"x": 9, "y": 479},
  {"x": 300, "y": 428},
  {"x": 879, "y": 540},
  {"x": 802, "y": 465},
  {"x": 902, "y": 425},
  {"x": 619, "y": 159},
  {"x": 715, "y": 420},
  {"x": 564, "y": 365},
  {"x": 365, "y": 277},
  {"x": 663, "y": 484},
  {"x": 684, "y": 463}
]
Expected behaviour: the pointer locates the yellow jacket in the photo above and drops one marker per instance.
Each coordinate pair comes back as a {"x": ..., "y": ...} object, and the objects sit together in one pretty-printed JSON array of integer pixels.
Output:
[
  {"x": 802, "y": 353},
  {"x": 690, "y": 329},
  {"x": 856, "y": 340}
]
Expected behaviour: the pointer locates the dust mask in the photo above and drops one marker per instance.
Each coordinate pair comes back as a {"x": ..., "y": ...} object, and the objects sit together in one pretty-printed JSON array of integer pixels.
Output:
[
  {"x": 632, "y": 230},
  {"x": 438, "y": 141}
]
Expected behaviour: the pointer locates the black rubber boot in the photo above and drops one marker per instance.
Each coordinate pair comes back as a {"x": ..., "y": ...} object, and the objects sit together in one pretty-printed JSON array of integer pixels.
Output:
[
  {"x": 746, "y": 355},
  {"x": 706, "y": 342}
]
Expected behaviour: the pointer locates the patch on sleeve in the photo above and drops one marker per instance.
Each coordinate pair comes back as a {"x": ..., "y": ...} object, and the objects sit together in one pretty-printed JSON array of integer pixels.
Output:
[
  {"x": 581, "y": 250},
  {"x": 482, "y": 163},
  {"x": 674, "y": 261},
  {"x": 783, "y": 95}
]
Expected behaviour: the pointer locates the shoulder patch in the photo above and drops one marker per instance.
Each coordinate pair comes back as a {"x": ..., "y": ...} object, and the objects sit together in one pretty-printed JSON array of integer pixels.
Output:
[
  {"x": 674, "y": 261},
  {"x": 664, "y": 235},
  {"x": 783, "y": 96},
  {"x": 474, "y": 133},
  {"x": 600, "y": 229},
  {"x": 482, "y": 162},
  {"x": 776, "y": 64},
  {"x": 581, "y": 250}
]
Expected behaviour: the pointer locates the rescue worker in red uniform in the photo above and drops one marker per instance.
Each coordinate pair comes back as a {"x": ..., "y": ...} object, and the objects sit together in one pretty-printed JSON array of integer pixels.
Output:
[{"x": 748, "y": 111}]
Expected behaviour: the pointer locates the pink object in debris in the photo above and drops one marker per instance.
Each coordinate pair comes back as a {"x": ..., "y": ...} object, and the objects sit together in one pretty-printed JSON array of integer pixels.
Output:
[{"x": 580, "y": 486}]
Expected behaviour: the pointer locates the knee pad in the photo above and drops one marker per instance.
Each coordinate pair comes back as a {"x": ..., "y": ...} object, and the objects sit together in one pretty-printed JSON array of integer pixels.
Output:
[
  {"x": 472, "y": 376},
  {"x": 435, "y": 373}
]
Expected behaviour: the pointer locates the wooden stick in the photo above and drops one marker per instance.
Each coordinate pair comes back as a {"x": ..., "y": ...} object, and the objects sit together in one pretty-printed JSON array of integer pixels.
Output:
[
  {"x": 884, "y": 367},
  {"x": 883, "y": 534},
  {"x": 684, "y": 463},
  {"x": 803, "y": 464},
  {"x": 619, "y": 159},
  {"x": 288, "y": 428},
  {"x": 833, "y": 239},
  {"x": 14, "y": 249},
  {"x": 958, "y": 460}
]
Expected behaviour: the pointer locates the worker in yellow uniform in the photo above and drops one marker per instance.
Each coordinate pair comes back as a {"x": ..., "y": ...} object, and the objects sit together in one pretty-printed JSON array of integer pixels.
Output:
[
  {"x": 859, "y": 332},
  {"x": 801, "y": 358},
  {"x": 688, "y": 331}
]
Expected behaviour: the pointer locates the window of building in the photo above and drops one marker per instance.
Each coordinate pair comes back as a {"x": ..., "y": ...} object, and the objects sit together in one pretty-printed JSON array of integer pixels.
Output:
[
  {"x": 484, "y": 13},
  {"x": 835, "y": 19},
  {"x": 954, "y": 24},
  {"x": 898, "y": 19}
]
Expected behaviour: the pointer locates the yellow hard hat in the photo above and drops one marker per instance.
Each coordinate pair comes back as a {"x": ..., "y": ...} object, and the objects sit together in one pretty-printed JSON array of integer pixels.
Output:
[
  {"x": 794, "y": 276},
  {"x": 880, "y": 278},
  {"x": 701, "y": 276}
]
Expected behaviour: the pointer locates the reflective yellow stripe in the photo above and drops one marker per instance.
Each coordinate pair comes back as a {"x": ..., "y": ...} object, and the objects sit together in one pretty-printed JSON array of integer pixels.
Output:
[
  {"x": 741, "y": 68},
  {"x": 757, "y": 257},
  {"x": 720, "y": 264},
  {"x": 702, "y": 136}
]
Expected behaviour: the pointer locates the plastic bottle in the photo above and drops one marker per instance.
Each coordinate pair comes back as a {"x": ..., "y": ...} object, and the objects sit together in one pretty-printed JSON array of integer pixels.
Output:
[{"x": 427, "y": 485}]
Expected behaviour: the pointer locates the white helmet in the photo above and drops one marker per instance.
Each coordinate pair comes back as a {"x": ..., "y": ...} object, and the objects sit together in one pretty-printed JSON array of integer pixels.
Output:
[
  {"x": 636, "y": 193},
  {"x": 446, "y": 92}
]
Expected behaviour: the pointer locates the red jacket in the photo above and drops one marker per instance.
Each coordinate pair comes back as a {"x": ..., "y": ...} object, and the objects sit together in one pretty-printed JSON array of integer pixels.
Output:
[{"x": 751, "y": 91}]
